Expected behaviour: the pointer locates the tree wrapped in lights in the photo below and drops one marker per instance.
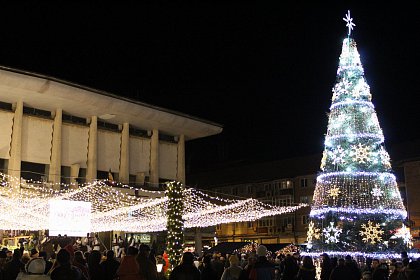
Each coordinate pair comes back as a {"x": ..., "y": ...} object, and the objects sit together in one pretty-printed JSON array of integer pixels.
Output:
[
  {"x": 175, "y": 222},
  {"x": 357, "y": 207}
]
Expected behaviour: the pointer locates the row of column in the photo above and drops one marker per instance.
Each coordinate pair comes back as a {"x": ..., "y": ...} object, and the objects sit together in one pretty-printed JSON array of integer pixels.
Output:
[{"x": 54, "y": 171}]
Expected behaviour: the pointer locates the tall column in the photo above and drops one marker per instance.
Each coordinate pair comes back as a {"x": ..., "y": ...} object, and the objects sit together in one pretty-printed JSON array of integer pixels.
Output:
[
  {"x": 15, "y": 159},
  {"x": 91, "y": 171},
  {"x": 154, "y": 158},
  {"x": 180, "y": 176},
  {"x": 198, "y": 242},
  {"x": 74, "y": 174},
  {"x": 54, "y": 175},
  {"x": 124, "y": 173}
]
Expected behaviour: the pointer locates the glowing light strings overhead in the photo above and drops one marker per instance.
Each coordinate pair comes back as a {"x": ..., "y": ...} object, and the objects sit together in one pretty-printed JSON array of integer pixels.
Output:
[{"x": 118, "y": 208}]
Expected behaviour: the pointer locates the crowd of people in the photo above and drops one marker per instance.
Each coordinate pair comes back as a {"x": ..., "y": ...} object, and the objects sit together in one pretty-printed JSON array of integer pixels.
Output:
[
  {"x": 262, "y": 266},
  {"x": 141, "y": 263},
  {"x": 137, "y": 263}
]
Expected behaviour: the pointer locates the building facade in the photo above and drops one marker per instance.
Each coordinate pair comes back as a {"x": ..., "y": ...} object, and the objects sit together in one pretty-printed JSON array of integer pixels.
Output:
[
  {"x": 58, "y": 132},
  {"x": 288, "y": 228}
]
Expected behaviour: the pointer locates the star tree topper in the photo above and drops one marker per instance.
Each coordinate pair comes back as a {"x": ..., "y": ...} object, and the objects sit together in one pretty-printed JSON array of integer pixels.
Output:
[{"x": 349, "y": 22}]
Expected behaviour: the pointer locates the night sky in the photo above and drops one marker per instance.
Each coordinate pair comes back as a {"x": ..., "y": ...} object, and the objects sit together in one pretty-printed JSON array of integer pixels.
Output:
[{"x": 264, "y": 72}]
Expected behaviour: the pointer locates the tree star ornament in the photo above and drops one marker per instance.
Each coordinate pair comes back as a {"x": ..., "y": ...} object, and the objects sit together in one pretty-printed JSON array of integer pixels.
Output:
[{"x": 349, "y": 22}]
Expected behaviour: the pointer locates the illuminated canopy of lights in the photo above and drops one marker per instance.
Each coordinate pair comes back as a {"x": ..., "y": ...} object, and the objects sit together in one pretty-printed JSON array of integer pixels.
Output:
[{"x": 115, "y": 207}]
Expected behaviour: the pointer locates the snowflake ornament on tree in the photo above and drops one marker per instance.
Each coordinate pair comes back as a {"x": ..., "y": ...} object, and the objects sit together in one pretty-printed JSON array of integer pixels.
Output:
[
  {"x": 361, "y": 153},
  {"x": 377, "y": 192},
  {"x": 405, "y": 235},
  {"x": 337, "y": 155},
  {"x": 334, "y": 192},
  {"x": 313, "y": 232},
  {"x": 386, "y": 160},
  {"x": 332, "y": 233},
  {"x": 371, "y": 233}
]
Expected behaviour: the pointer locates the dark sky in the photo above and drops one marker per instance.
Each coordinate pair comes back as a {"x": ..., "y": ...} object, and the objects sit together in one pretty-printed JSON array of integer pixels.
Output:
[{"x": 264, "y": 72}]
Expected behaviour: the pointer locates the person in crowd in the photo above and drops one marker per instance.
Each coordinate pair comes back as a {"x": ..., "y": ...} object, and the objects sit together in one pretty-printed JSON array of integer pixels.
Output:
[
  {"x": 186, "y": 269},
  {"x": 263, "y": 269},
  {"x": 307, "y": 270},
  {"x": 34, "y": 253},
  {"x": 412, "y": 271},
  {"x": 129, "y": 269},
  {"x": 147, "y": 268},
  {"x": 234, "y": 271},
  {"x": 110, "y": 265},
  {"x": 80, "y": 262},
  {"x": 165, "y": 257},
  {"x": 340, "y": 272},
  {"x": 334, "y": 262},
  {"x": 249, "y": 266},
  {"x": 121, "y": 247},
  {"x": 14, "y": 266},
  {"x": 25, "y": 258},
  {"x": 34, "y": 270},
  {"x": 96, "y": 243},
  {"x": 152, "y": 256},
  {"x": 398, "y": 267},
  {"x": 207, "y": 272},
  {"x": 217, "y": 265},
  {"x": 351, "y": 265},
  {"x": 377, "y": 271},
  {"x": 326, "y": 267},
  {"x": 289, "y": 268},
  {"x": 63, "y": 269},
  {"x": 3, "y": 260},
  {"x": 96, "y": 272},
  {"x": 48, "y": 263},
  {"x": 115, "y": 246}
]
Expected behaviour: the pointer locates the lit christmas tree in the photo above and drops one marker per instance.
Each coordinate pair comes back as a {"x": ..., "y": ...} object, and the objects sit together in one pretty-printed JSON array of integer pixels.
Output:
[{"x": 357, "y": 208}]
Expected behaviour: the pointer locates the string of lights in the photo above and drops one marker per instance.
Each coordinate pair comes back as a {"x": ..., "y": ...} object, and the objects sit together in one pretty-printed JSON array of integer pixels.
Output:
[{"x": 116, "y": 207}]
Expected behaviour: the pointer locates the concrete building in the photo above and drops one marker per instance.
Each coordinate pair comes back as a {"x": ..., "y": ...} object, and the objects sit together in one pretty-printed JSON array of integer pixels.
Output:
[{"x": 59, "y": 132}]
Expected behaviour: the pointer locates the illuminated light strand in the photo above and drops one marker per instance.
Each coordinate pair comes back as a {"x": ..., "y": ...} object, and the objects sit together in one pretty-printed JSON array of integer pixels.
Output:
[
  {"x": 381, "y": 175},
  {"x": 396, "y": 213},
  {"x": 352, "y": 102},
  {"x": 112, "y": 209},
  {"x": 378, "y": 136}
]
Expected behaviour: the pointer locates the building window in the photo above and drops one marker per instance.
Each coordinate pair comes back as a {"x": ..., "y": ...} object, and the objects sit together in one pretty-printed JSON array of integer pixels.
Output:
[
  {"x": 304, "y": 199},
  {"x": 219, "y": 227},
  {"x": 285, "y": 200},
  {"x": 304, "y": 182},
  {"x": 249, "y": 224},
  {"x": 249, "y": 189},
  {"x": 235, "y": 191},
  {"x": 305, "y": 219}
]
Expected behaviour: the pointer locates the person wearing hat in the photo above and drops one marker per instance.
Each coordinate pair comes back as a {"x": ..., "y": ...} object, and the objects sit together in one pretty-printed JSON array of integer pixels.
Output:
[
  {"x": 263, "y": 269},
  {"x": 34, "y": 270},
  {"x": 34, "y": 253},
  {"x": 14, "y": 266}
]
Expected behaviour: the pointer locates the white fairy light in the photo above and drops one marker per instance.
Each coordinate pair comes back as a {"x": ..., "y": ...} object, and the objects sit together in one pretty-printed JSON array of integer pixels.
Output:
[{"x": 113, "y": 208}]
